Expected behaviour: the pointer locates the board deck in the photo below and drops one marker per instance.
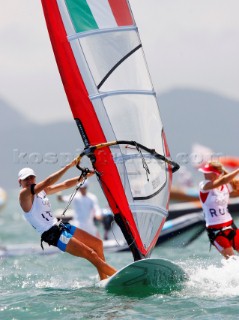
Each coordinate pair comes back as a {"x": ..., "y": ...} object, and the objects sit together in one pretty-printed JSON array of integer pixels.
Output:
[{"x": 146, "y": 277}]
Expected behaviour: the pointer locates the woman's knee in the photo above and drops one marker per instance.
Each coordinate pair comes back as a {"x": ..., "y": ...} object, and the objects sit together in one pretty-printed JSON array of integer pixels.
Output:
[
  {"x": 100, "y": 244},
  {"x": 93, "y": 257},
  {"x": 227, "y": 252},
  {"x": 97, "y": 244}
]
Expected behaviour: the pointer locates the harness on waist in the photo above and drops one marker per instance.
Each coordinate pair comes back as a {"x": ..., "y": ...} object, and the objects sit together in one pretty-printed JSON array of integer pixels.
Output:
[
  {"x": 52, "y": 235},
  {"x": 214, "y": 233}
]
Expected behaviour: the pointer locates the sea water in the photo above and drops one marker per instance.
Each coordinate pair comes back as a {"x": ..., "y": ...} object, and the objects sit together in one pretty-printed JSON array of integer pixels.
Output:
[{"x": 60, "y": 286}]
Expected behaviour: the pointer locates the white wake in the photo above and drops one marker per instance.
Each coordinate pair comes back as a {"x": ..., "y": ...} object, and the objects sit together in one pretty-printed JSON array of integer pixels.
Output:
[{"x": 211, "y": 280}]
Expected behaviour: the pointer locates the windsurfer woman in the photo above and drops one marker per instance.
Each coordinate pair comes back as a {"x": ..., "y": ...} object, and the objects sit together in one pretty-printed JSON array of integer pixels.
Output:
[
  {"x": 37, "y": 211},
  {"x": 215, "y": 191}
]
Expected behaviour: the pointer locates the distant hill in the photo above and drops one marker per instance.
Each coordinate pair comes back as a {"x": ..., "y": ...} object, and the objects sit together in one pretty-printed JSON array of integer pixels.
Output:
[
  {"x": 194, "y": 116},
  {"x": 26, "y": 144},
  {"x": 189, "y": 116}
]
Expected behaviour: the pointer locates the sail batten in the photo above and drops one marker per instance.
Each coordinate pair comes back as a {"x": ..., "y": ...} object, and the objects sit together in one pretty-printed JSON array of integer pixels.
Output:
[
  {"x": 122, "y": 92},
  {"x": 111, "y": 96},
  {"x": 80, "y": 35}
]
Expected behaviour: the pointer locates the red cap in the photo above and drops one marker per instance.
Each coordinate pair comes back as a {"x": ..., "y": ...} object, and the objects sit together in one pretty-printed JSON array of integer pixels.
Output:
[{"x": 209, "y": 169}]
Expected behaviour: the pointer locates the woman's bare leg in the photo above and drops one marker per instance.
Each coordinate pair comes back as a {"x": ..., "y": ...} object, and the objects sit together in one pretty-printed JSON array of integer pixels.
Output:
[
  {"x": 93, "y": 242},
  {"x": 79, "y": 249},
  {"x": 228, "y": 252}
]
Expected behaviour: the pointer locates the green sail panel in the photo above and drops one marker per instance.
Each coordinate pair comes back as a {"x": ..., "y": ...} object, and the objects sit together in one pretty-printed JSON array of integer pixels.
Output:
[{"x": 81, "y": 15}]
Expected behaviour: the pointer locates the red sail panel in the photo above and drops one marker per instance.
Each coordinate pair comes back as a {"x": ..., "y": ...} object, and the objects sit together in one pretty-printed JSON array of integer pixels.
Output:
[{"x": 121, "y": 12}]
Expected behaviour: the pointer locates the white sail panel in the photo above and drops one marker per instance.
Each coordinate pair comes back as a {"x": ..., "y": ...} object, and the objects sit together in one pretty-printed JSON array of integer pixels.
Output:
[
  {"x": 137, "y": 116},
  {"x": 97, "y": 49},
  {"x": 147, "y": 219},
  {"x": 102, "y": 13}
]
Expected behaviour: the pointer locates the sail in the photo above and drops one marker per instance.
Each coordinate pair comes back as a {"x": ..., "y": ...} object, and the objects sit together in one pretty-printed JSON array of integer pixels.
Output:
[{"x": 103, "y": 69}]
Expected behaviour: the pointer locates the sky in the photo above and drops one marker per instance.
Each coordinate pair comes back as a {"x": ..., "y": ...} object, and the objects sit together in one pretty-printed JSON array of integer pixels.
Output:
[{"x": 187, "y": 43}]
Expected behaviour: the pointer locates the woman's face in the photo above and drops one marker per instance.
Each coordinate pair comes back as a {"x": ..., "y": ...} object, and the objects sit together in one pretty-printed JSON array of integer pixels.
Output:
[
  {"x": 211, "y": 176},
  {"x": 27, "y": 182}
]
